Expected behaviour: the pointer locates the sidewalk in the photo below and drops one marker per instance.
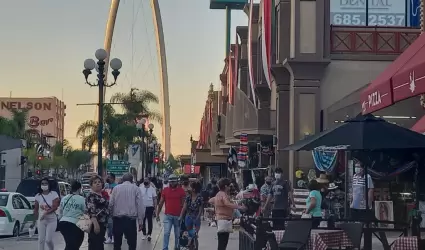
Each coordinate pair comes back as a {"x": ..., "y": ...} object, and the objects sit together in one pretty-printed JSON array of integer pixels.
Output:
[{"x": 207, "y": 241}]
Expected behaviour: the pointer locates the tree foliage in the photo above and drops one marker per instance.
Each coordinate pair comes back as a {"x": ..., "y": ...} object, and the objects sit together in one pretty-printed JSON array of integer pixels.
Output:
[{"x": 119, "y": 128}]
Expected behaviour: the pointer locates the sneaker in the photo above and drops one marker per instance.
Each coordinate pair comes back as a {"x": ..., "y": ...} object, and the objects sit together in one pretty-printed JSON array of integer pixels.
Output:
[
  {"x": 149, "y": 238},
  {"x": 112, "y": 241},
  {"x": 109, "y": 241},
  {"x": 144, "y": 237}
]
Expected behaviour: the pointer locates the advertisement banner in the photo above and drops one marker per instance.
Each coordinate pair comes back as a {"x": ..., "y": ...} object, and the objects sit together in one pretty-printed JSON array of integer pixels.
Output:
[{"x": 389, "y": 13}]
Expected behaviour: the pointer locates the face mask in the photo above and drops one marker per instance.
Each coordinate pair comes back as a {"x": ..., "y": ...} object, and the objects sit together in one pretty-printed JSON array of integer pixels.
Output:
[
  {"x": 277, "y": 176},
  {"x": 44, "y": 187},
  {"x": 358, "y": 170},
  {"x": 146, "y": 183},
  {"x": 173, "y": 185}
]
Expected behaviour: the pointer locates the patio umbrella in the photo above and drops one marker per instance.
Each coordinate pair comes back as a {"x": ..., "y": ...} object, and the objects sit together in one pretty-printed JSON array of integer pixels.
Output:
[{"x": 364, "y": 132}]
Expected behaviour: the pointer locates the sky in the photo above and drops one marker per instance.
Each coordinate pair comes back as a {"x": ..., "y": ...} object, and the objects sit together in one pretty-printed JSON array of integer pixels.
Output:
[{"x": 44, "y": 43}]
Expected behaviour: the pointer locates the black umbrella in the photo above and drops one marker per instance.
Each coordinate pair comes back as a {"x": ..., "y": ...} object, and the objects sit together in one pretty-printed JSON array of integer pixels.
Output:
[{"x": 364, "y": 132}]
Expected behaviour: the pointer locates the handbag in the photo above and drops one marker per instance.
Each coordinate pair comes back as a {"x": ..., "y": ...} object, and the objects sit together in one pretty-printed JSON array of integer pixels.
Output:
[
  {"x": 84, "y": 222},
  {"x": 306, "y": 216},
  {"x": 50, "y": 207},
  {"x": 224, "y": 226}
]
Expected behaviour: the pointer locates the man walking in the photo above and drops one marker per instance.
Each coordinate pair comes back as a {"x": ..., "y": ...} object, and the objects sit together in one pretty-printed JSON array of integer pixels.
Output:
[
  {"x": 149, "y": 200},
  {"x": 359, "y": 211},
  {"x": 173, "y": 197},
  {"x": 282, "y": 194},
  {"x": 126, "y": 205}
]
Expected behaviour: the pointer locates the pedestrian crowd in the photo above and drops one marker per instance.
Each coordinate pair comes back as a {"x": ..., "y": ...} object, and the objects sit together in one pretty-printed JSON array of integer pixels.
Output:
[{"x": 112, "y": 211}]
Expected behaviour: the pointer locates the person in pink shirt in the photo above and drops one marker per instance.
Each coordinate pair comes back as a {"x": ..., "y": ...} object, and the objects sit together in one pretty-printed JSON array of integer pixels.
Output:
[{"x": 224, "y": 209}]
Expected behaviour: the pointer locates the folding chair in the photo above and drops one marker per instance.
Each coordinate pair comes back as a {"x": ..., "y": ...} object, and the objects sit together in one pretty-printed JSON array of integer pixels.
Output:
[{"x": 296, "y": 236}]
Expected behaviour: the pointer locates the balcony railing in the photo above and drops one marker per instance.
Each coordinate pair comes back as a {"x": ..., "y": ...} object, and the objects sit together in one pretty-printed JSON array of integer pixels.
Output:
[{"x": 371, "y": 40}]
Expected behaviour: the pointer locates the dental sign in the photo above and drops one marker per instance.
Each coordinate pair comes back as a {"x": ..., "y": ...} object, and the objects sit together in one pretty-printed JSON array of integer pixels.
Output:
[{"x": 381, "y": 12}]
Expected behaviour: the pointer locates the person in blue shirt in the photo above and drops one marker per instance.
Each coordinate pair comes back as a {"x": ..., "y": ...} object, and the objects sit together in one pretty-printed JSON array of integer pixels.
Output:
[
  {"x": 314, "y": 203},
  {"x": 72, "y": 207}
]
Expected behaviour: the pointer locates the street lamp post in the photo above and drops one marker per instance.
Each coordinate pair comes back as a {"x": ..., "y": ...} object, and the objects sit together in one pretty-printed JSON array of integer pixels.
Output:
[
  {"x": 89, "y": 65},
  {"x": 141, "y": 127}
]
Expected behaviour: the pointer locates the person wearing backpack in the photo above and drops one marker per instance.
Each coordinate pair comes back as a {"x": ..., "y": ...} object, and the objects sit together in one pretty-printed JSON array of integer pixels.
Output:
[{"x": 71, "y": 208}]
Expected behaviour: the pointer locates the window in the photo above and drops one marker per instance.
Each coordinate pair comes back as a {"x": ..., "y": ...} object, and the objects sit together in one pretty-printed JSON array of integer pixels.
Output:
[
  {"x": 25, "y": 202},
  {"x": 17, "y": 202},
  {"x": 3, "y": 200}
]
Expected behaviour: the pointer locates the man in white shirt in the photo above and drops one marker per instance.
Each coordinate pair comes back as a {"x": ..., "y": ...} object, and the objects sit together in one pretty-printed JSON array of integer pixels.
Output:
[{"x": 149, "y": 200}]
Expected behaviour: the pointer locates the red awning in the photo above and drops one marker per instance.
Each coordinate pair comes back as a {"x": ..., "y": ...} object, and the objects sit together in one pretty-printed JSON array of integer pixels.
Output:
[
  {"x": 419, "y": 126},
  {"x": 390, "y": 86}
]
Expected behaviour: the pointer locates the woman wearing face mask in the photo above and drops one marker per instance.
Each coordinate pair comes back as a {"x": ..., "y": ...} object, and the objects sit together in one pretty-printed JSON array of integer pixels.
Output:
[
  {"x": 72, "y": 207},
  {"x": 224, "y": 209},
  {"x": 97, "y": 209},
  {"x": 46, "y": 203}
]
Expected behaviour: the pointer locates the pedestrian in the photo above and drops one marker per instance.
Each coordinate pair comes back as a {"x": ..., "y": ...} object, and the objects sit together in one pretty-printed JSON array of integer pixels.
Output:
[
  {"x": 213, "y": 188},
  {"x": 282, "y": 195},
  {"x": 184, "y": 182},
  {"x": 224, "y": 210},
  {"x": 110, "y": 180},
  {"x": 126, "y": 206},
  {"x": 72, "y": 207},
  {"x": 173, "y": 197},
  {"x": 314, "y": 203},
  {"x": 149, "y": 201},
  {"x": 358, "y": 210},
  {"x": 98, "y": 210},
  {"x": 45, "y": 206},
  {"x": 265, "y": 191},
  {"x": 192, "y": 208}
]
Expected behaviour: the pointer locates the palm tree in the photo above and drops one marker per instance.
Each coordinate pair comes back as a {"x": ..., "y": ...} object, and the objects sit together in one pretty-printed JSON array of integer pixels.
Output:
[
  {"x": 118, "y": 132},
  {"x": 20, "y": 118},
  {"x": 136, "y": 104}
]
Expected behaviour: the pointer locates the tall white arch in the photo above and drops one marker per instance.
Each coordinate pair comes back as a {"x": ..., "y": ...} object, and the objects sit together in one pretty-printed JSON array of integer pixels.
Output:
[{"x": 162, "y": 61}]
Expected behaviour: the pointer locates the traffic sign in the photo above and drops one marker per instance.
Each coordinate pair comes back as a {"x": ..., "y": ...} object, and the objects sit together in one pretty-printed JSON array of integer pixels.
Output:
[{"x": 117, "y": 167}]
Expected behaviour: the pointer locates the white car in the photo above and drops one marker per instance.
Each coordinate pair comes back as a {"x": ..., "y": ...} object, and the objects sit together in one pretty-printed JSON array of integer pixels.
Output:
[{"x": 16, "y": 214}]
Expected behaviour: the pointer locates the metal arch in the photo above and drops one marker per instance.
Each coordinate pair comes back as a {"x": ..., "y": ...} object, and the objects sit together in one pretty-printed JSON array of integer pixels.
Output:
[{"x": 162, "y": 61}]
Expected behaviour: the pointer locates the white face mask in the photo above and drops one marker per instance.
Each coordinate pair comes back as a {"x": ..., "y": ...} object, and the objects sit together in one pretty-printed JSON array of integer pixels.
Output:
[
  {"x": 44, "y": 187},
  {"x": 277, "y": 176},
  {"x": 358, "y": 170}
]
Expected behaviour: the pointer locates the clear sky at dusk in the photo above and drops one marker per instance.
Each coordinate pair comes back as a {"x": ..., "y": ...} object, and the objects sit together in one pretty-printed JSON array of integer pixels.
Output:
[{"x": 44, "y": 43}]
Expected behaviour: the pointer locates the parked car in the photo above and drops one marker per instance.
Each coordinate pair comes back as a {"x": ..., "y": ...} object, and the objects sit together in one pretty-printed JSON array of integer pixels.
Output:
[
  {"x": 29, "y": 188},
  {"x": 16, "y": 214}
]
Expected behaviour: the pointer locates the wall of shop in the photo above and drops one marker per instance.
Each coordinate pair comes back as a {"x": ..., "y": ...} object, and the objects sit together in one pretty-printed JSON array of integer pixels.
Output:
[{"x": 342, "y": 84}]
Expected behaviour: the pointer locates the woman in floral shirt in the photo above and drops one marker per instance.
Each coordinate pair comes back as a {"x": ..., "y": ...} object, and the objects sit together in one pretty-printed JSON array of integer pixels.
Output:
[
  {"x": 192, "y": 207},
  {"x": 97, "y": 209}
]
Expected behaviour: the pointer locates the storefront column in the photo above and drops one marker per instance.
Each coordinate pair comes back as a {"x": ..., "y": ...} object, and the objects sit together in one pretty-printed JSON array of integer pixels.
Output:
[{"x": 283, "y": 79}]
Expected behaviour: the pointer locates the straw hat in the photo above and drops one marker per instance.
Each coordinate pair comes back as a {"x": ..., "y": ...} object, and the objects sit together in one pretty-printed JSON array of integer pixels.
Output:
[
  {"x": 332, "y": 186},
  {"x": 323, "y": 179}
]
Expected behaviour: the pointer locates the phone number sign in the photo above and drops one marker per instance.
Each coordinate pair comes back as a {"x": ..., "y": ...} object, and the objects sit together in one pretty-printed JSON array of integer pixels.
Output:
[{"x": 381, "y": 12}]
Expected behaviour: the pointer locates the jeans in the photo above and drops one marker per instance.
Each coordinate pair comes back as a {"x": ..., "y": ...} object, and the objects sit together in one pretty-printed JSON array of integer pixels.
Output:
[
  {"x": 96, "y": 240},
  {"x": 46, "y": 231},
  {"x": 148, "y": 216},
  {"x": 192, "y": 223},
  {"x": 110, "y": 228},
  {"x": 128, "y": 227},
  {"x": 72, "y": 235},
  {"x": 171, "y": 221},
  {"x": 223, "y": 240}
]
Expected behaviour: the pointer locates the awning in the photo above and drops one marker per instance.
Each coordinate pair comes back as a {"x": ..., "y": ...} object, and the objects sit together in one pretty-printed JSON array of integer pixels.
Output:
[
  {"x": 392, "y": 84},
  {"x": 419, "y": 126}
]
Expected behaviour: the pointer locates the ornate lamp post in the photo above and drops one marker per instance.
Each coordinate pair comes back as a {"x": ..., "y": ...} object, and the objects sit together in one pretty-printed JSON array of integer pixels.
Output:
[
  {"x": 89, "y": 65},
  {"x": 141, "y": 128}
]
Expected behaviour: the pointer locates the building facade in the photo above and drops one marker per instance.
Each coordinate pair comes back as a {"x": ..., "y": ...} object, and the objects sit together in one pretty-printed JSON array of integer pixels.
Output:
[
  {"x": 318, "y": 71},
  {"x": 45, "y": 115}
]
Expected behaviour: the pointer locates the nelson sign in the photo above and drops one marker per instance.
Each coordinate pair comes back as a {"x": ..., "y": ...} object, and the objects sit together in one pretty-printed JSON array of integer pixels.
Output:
[{"x": 26, "y": 105}]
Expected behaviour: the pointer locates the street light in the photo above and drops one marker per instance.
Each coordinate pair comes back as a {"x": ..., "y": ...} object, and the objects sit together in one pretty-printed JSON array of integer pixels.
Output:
[
  {"x": 142, "y": 134},
  {"x": 89, "y": 65}
]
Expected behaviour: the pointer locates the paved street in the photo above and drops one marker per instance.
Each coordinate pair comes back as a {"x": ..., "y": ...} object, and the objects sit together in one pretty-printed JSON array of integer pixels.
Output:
[{"x": 208, "y": 241}]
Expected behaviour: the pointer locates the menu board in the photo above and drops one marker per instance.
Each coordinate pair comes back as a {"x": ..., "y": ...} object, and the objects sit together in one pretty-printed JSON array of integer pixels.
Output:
[{"x": 378, "y": 13}]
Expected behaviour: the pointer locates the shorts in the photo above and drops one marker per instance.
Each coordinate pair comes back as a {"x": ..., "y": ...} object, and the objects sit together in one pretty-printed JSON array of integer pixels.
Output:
[{"x": 191, "y": 223}]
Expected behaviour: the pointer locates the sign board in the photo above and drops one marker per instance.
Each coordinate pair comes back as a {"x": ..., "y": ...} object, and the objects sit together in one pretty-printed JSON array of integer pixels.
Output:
[
  {"x": 117, "y": 167},
  {"x": 381, "y": 12}
]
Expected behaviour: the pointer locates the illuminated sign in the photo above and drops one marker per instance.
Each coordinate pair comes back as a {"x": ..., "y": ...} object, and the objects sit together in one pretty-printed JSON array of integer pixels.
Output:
[{"x": 380, "y": 12}]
